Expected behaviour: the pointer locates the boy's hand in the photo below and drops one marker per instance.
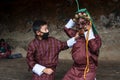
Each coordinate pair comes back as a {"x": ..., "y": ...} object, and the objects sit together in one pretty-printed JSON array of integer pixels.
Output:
[
  {"x": 48, "y": 71},
  {"x": 77, "y": 35}
]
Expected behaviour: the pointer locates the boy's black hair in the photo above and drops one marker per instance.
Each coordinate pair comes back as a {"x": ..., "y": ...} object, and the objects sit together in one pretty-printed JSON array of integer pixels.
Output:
[{"x": 37, "y": 25}]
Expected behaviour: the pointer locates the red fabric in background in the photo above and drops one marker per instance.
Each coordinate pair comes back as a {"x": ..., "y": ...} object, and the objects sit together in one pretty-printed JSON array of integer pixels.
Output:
[{"x": 7, "y": 50}]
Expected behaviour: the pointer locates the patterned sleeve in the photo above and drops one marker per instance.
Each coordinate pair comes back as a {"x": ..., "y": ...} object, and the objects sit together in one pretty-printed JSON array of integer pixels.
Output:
[
  {"x": 70, "y": 32},
  {"x": 95, "y": 44},
  {"x": 61, "y": 45},
  {"x": 30, "y": 55}
]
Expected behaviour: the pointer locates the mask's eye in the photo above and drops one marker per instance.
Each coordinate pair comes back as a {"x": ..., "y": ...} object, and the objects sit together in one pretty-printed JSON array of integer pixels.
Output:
[
  {"x": 82, "y": 23},
  {"x": 77, "y": 24}
]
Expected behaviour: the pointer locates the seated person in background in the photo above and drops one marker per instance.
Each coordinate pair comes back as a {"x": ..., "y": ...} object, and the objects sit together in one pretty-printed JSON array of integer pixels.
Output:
[{"x": 5, "y": 49}]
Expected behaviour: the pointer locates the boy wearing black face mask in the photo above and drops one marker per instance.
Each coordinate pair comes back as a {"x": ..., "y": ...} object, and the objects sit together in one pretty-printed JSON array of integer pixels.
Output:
[{"x": 43, "y": 51}]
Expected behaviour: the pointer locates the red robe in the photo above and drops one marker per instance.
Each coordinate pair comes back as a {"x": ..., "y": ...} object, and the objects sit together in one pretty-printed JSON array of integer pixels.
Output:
[
  {"x": 79, "y": 56},
  {"x": 45, "y": 53},
  {"x": 7, "y": 50}
]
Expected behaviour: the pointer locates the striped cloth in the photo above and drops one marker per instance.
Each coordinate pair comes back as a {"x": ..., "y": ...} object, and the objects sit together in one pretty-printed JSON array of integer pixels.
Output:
[{"x": 44, "y": 52}]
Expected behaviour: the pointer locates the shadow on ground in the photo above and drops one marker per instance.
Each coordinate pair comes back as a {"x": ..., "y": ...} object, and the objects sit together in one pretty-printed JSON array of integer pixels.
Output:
[{"x": 16, "y": 69}]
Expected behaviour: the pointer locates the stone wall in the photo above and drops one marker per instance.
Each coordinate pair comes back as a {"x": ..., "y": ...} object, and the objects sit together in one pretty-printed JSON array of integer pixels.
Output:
[
  {"x": 16, "y": 20},
  {"x": 109, "y": 50}
]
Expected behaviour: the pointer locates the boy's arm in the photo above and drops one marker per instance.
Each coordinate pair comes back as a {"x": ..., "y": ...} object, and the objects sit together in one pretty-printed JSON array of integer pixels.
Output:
[
  {"x": 67, "y": 44},
  {"x": 68, "y": 28},
  {"x": 94, "y": 41},
  {"x": 30, "y": 55},
  {"x": 39, "y": 70},
  {"x": 36, "y": 68},
  {"x": 95, "y": 44}
]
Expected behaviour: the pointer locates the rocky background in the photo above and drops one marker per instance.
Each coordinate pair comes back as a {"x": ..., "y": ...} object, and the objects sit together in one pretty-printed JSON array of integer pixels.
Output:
[{"x": 17, "y": 16}]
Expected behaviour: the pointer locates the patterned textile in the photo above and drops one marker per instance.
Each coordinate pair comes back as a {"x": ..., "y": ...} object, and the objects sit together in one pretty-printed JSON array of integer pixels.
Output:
[
  {"x": 44, "y": 52},
  {"x": 79, "y": 56}
]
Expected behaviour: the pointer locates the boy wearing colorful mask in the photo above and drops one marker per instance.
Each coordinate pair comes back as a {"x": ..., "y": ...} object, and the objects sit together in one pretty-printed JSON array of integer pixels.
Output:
[
  {"x": 85, "y": 51},
  {"x": 43, "y": 51}
]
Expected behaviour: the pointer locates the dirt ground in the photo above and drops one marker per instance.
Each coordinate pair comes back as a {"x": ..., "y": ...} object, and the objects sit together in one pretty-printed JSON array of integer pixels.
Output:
[{"x": 16, "y": 69}]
